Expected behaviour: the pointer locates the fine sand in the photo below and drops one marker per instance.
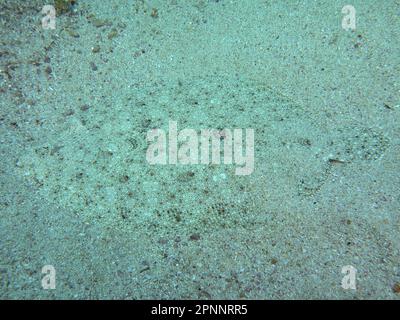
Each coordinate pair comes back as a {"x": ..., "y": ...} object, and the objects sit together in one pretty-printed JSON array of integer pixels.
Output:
[{"x": 76, "y": 190}]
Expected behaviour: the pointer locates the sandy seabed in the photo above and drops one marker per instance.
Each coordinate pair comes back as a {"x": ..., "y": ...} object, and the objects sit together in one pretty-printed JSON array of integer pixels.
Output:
[{"x": 77, "y": 193}]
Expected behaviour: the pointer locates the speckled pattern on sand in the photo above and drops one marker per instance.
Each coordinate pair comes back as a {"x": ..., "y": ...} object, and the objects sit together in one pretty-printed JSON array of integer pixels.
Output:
[{"x": 77, "y": 193}]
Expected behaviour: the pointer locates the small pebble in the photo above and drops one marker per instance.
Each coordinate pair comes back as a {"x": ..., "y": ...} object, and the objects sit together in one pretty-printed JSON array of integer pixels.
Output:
[
  {"x": 73, "y": 33},
  {"x": 48, "y": 70},
  {"x": 113, "y": 33},
  {"x": 195, "y": 237},
  {"x": 68, "y": 113},
  {"x": 96, "y": 49},
  {"x": 98, "y": 23},
  {"x": 154, "y": 13},
  {"x": 93, "y": 66}
]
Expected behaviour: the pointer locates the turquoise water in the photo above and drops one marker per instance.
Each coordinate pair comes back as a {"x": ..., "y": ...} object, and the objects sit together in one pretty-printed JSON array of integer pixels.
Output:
[{"x": 103, "y": 198}]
